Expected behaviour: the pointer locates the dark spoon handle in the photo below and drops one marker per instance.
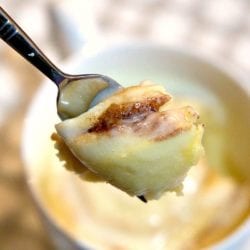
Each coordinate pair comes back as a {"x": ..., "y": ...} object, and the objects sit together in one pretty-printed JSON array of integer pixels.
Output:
[{"x": 14, "y": 36}]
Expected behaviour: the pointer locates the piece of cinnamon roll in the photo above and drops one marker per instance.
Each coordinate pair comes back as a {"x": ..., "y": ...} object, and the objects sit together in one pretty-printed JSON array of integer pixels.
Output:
[{"x": 135, "y": 141}]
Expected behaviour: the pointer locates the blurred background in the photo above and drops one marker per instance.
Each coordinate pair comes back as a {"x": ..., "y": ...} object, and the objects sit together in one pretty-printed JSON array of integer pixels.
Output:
[{"x": 217, "y": 28}]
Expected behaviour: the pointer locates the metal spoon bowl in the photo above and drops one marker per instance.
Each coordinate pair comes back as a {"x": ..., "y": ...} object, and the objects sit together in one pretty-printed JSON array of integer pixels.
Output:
[{"x": 76, "y": 93}]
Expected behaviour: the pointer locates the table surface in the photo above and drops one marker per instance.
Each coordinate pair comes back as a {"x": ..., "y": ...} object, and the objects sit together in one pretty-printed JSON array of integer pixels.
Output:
[{"x": 218, "y": 28}]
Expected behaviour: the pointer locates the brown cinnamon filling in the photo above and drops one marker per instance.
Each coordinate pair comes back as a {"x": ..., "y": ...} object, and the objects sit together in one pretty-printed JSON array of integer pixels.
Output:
[{"x": 117, "y": 113}]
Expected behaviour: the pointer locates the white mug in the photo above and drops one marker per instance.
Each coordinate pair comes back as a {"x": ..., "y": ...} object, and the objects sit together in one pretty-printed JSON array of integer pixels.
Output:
[{"x": 185, "y": 75}]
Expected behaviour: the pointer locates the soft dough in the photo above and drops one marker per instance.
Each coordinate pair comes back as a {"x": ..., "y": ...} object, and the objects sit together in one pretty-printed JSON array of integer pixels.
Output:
[{"x": 136, "y": 141}]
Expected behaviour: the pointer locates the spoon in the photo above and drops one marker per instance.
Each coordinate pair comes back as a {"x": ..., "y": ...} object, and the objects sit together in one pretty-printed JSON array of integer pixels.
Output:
[{"x": 76, "y": 93}]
